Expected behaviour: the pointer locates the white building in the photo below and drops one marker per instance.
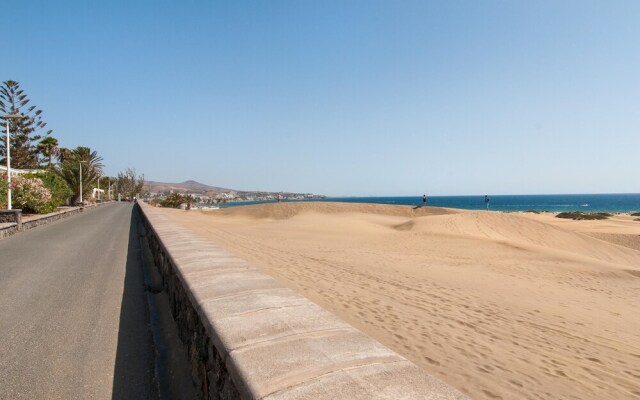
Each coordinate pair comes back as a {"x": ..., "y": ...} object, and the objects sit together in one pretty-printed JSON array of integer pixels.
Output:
[{"x": 16, "y": 172}]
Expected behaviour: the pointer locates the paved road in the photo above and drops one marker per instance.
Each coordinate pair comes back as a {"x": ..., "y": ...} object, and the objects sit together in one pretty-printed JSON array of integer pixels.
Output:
[{"x": 73, "y": 312}]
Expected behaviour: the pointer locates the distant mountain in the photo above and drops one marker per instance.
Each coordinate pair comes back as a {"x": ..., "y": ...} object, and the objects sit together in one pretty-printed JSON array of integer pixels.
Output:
[{"x": 184, "y": 187}]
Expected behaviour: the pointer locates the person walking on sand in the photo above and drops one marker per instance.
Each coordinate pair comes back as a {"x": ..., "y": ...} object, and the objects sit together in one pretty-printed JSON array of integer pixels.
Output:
[
  {"x": 486, "y": 202},
  {"x": 424, "y": 200}
]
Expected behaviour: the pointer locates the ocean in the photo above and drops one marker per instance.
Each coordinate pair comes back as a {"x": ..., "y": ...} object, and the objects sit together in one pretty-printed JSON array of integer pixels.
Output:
[{"x": 614, "y": 203}]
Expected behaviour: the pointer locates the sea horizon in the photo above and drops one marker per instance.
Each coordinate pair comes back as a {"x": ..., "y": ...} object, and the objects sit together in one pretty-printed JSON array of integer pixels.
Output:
[{"x": 601, "y": 202}]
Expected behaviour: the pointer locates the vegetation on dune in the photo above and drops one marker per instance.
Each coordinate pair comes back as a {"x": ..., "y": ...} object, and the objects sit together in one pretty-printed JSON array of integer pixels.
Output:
[
  {"x": 577, "y": 215},
  {"x": 175, "y": 200}
]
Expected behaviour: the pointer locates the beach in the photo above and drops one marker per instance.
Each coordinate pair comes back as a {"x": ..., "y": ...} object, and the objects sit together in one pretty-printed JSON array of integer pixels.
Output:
[{"x": 499, "y": 305}]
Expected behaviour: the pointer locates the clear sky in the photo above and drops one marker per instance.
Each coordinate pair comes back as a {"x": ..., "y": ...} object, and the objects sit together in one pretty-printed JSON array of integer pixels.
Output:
[{"x": 341, "y": 97}]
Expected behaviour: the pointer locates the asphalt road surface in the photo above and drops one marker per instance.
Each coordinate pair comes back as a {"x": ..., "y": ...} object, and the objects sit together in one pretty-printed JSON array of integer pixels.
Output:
[{"x": 73, "y": 310}]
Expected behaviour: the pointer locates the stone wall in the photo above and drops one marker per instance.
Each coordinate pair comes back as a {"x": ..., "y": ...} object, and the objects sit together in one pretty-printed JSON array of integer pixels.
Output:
[
  {"x": 8, "y": 229},
  {"x": 11, "y": 217},
  {"x": 250, "y": 337},
  {"x": 46, "y": 219},
  {"x": 207, "y": 367}
]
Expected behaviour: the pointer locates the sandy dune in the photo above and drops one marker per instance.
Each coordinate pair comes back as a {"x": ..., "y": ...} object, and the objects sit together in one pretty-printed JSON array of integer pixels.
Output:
[{"x": 501, "y": 306}]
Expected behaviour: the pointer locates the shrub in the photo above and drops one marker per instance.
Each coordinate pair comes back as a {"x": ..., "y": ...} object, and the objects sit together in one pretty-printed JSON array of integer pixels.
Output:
[
  {"x": 577, "y": 215},
  {"x": 31, "y": 195},
  {"x": 60, "y": 191},
  {"x": 3, "y": 192},
  {"x": 173, "y": 200}
]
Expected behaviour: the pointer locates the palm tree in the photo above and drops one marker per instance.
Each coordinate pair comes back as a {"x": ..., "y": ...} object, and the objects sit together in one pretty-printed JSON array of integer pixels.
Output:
[
  {"x": 63, "y": 154},
  {"x": 49, "y": 148},
  {"x": 69, "y": 170}
]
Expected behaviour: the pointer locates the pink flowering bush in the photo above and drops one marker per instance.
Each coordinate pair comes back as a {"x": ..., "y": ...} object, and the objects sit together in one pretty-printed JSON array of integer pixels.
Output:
[
  {"x": 31, "y": 195},
  {"x": 3, "y": 192}
]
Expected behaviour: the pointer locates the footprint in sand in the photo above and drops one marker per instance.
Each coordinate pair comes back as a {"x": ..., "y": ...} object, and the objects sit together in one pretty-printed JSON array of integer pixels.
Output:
[
  {"x": 491, "y": 394},
  {"x": 432, "y": 361}
]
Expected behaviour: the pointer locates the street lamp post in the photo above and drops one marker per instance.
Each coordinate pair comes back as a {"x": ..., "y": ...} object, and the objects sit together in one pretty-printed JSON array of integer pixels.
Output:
[
  {"x": 8, "y": 117},
  {"x": 81, "y": 202}
]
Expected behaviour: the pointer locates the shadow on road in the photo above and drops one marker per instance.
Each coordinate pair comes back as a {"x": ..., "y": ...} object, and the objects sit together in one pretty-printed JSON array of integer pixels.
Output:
[{"x": 133, "y": 376}]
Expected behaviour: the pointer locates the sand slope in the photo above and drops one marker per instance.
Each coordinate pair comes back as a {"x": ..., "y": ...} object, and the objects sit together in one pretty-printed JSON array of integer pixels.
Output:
[{"x": 511, "y": 306}]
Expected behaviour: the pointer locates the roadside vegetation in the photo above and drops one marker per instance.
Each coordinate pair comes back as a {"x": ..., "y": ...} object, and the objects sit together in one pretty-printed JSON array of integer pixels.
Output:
[
  {"x": 55, "y": 175},
  {"x": 129, "y": 183},
  {"x": 176, "y": 200}
]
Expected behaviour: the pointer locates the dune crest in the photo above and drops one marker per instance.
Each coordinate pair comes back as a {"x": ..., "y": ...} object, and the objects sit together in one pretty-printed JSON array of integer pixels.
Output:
[{"x": 288, "y": 210}]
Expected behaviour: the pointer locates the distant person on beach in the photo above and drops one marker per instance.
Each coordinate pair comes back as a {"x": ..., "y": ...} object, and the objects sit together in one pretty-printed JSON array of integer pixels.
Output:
[
  {"x": 486, "y": 202},
  {"x": 424, "y": 200}
]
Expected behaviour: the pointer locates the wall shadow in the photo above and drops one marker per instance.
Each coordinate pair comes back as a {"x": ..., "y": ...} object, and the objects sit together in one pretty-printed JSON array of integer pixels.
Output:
[{"x": 134, "y": 376}]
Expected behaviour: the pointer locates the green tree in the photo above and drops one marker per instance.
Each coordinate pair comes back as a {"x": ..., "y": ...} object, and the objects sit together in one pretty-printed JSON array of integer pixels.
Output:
[
  {"x": 24, "y": 131},
  {"x": 189, "y": 200},
  {"x": 69, "y": 171},
  {"x": 63, "y": 153},
  {"x": 104, "y": 182},
  {"x": 173, "y": 200},
  {"x": 48, "y": 147},
  {"x": 129, "y": 183}
]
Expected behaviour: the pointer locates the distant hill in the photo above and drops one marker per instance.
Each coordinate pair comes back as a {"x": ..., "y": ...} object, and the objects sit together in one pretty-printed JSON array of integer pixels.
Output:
[
  {"x": 184, "y": 187},
  {"x": 201, "y": 190}
]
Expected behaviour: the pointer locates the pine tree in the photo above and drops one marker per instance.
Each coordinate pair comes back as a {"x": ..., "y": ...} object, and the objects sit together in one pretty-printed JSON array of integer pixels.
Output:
[{"x": 24, "y": 131}]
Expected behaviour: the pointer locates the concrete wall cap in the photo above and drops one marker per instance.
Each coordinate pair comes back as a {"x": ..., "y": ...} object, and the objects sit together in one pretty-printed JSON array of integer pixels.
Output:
[{"x": 266, "y": 324}]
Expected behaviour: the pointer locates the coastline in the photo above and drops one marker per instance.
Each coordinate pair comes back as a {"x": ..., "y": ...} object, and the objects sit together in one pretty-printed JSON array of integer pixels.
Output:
[{"x": 613, "y": 203}]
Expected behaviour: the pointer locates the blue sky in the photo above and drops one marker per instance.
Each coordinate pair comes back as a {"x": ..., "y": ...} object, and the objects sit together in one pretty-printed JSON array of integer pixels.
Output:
[{"x": 341, "y": 98}]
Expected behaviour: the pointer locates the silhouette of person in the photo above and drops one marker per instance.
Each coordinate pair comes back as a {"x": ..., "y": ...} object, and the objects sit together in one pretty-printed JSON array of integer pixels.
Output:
[
  {"x": 486, "y": 202},
  {"x": 424, "y": 200}
]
